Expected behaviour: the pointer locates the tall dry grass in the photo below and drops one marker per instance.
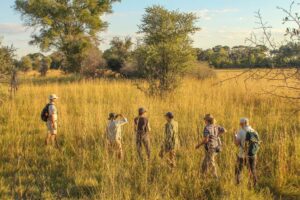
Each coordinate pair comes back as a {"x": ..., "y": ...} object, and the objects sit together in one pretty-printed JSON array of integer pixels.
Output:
[{"x": 82, "y": 169}]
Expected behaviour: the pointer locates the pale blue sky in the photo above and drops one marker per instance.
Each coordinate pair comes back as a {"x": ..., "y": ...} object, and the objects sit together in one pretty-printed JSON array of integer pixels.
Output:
[{"x": 225, "y": 22}]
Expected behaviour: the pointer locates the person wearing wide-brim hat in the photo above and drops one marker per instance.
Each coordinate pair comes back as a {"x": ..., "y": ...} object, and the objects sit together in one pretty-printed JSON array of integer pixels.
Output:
[
  {"x": 142, "y": 129},
  {"x": 52, "y": 120},
  {"x": 170, "y": 142},
  {"x": 114, "y": 133},
  {"x": 212, "y": 144}
]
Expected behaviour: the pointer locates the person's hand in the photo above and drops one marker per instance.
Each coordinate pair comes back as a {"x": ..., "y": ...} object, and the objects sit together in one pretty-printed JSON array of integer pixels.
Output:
[{"x": 197, "y": 146}]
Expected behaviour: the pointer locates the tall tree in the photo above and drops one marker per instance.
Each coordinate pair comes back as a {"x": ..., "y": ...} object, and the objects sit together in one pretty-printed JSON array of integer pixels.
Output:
[
  {"x": 8, "y": 69},
  {"x": 167, "y": 47},
  {"x": 70, "y": 26},
  {"x": 118, "y": 53}
]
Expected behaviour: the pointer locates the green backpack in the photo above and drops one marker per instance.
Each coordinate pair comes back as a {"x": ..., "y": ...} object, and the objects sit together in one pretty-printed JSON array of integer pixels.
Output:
[{"x": 253, "y": 142}]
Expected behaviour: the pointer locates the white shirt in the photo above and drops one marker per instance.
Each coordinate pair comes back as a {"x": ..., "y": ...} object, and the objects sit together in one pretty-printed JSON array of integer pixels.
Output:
[
  {"x": 53, "y": 111},
  {"x": 241, "y": 136},
  {"x": 114, "y": 130}
]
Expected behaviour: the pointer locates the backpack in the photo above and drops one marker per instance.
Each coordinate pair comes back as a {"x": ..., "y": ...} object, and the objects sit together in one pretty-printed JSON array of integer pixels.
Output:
[
  {"x": 45, "y": 113},
  {"x": 214, "y": 138},
  {"x": 253, "y": 142}
]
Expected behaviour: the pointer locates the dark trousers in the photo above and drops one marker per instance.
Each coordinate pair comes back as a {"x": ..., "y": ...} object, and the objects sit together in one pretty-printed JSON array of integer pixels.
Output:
[
  {"x": 250, "y": 161},
  {"x": 143, "y": 139}
]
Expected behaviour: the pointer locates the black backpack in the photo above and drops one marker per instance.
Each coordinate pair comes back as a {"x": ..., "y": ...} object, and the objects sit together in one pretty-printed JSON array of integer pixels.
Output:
[{"x": 45, "y": 113}]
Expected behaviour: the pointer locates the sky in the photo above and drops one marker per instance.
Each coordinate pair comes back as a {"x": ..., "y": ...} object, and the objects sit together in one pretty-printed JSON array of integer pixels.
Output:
[{"x": 222, "y": 22}]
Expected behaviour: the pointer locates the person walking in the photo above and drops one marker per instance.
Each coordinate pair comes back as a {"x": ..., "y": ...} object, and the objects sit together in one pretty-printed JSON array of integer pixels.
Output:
[
  {"x": 247, "y": 140},
  {"x": 114, "y": 133},
  {"x": 211, "y": 142},
  {"x": 50, "y": 116},
  {"x": 170, "y": 143},
  {"x": 142, "y": 129}
]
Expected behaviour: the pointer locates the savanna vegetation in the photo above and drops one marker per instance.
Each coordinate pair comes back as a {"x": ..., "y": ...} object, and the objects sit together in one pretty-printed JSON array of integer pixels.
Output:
[
  {"x": 162, "y": 72},
  {"x": 82, "y": 169}
]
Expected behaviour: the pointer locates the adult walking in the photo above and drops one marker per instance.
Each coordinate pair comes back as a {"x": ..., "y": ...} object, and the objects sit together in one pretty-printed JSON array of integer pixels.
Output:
[
  {"x": 114, "y": 133},
  {"x": 170, "y": 142},
  {"x": 211, "y": 142},
  {"x": 49, "y": 115},
  {"x": 142, "y": 129},
  {"x": 247, "y": 140}
]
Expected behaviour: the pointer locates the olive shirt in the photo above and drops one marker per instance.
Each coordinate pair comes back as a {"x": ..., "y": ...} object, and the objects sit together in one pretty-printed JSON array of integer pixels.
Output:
[{"x": 171, "y": 135}]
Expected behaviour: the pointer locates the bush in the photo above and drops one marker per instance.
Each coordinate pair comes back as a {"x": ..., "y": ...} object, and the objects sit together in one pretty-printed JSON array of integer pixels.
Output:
[
  {"x": 92, "y": 62},
  {"x": 201, "y": 71}
]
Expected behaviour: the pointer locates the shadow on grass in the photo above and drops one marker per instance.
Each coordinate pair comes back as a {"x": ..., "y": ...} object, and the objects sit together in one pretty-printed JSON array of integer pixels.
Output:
[{"x": 50, "y": 80}]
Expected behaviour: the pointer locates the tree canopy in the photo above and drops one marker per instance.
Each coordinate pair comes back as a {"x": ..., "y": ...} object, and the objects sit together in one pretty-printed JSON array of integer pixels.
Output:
[
  {"x": 166, "y": 49},
  {"x": 70, "y": 26}
]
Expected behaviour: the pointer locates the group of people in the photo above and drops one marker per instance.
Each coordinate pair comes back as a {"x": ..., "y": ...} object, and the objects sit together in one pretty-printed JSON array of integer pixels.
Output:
[{"x": 246, "y": 139}]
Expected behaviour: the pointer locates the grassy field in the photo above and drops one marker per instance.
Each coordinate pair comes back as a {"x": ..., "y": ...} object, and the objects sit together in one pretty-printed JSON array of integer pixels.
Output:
[{"x": 82, "y": 169}]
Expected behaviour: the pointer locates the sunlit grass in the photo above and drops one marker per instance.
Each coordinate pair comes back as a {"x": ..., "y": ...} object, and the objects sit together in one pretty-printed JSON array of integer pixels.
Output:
[{"x": 82, "y": 169}]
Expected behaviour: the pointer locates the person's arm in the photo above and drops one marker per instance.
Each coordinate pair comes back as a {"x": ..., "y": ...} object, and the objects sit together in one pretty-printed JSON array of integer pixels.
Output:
[
  {"x": 106, "y": 130},
  {"x": 123, "y": 120},
  {"x": 204, "y": 141},
  {"x": 148, "y": 126},
  {"x": 51, "y": 115},
  {"x": 135, "y": 124},
  {"x": 237, "y": 139},
  {"x": 222, "y": 130},
  {"x": 205, "y": 138}
]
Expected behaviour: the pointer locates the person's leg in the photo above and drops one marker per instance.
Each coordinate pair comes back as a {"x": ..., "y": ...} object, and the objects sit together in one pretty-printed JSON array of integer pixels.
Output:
[
  {"x": 239, "y": 169},
  {"x": 252, "y": 165},
  {"x": 172, "y": 158},
  {"x": 204, "y": 165},
  {"x": 119, "y": 149},
  {"x": 48, "y": 138},
  {"x": 139, "y": 146},
  {"x": 212, "y": 163},
  {"x": 54, "y": 140},
  {"x": 146, "y": 142}
]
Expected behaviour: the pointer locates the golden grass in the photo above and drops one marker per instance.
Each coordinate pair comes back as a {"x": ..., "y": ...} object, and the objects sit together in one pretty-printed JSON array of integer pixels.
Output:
[{"x": 81, "y": 169}]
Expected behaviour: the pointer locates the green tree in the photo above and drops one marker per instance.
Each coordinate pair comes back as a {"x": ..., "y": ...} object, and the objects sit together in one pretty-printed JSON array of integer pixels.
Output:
[
  {"x": 166, "y": 50},
  {"x": 25, "y": 64},
  {"x": 92, "y": 62},
  {"x": 119, "y": 53},
  {"x": 70, "y": 26},
  {"x": 6, "y": 60},
  {"x": 8, "y": 67},
  {"x": 45, "y": 65}
]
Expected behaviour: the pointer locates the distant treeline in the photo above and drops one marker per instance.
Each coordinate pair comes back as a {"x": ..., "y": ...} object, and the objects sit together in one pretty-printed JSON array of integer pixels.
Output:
[{"x": 244, "y": 56}]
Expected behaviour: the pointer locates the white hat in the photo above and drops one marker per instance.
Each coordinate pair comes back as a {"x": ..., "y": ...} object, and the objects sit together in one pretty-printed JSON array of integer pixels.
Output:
[
  {"x": 244, "y": 120},
  {"x": 53, "y": 96}
]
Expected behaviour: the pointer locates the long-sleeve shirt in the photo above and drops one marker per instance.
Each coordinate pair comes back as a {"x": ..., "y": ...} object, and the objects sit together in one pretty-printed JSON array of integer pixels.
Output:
[
  {"x": 171, "y": 135},
  {"x": 114, "y": 129}
]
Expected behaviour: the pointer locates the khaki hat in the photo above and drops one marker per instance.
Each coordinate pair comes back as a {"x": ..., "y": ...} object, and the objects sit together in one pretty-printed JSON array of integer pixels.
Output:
[
  {"x": 208, "y": 117},
  {"x": 53, "y": 96},
  {"x": 244, "y": 120}
]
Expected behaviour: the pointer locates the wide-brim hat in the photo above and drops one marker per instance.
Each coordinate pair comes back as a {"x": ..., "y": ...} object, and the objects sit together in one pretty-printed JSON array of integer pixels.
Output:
[{"x": 53, "y": 96}]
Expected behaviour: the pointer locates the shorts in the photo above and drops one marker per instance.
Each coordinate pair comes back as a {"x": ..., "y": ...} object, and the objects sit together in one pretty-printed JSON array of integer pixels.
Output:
[{"x": 52, "y": 130}]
